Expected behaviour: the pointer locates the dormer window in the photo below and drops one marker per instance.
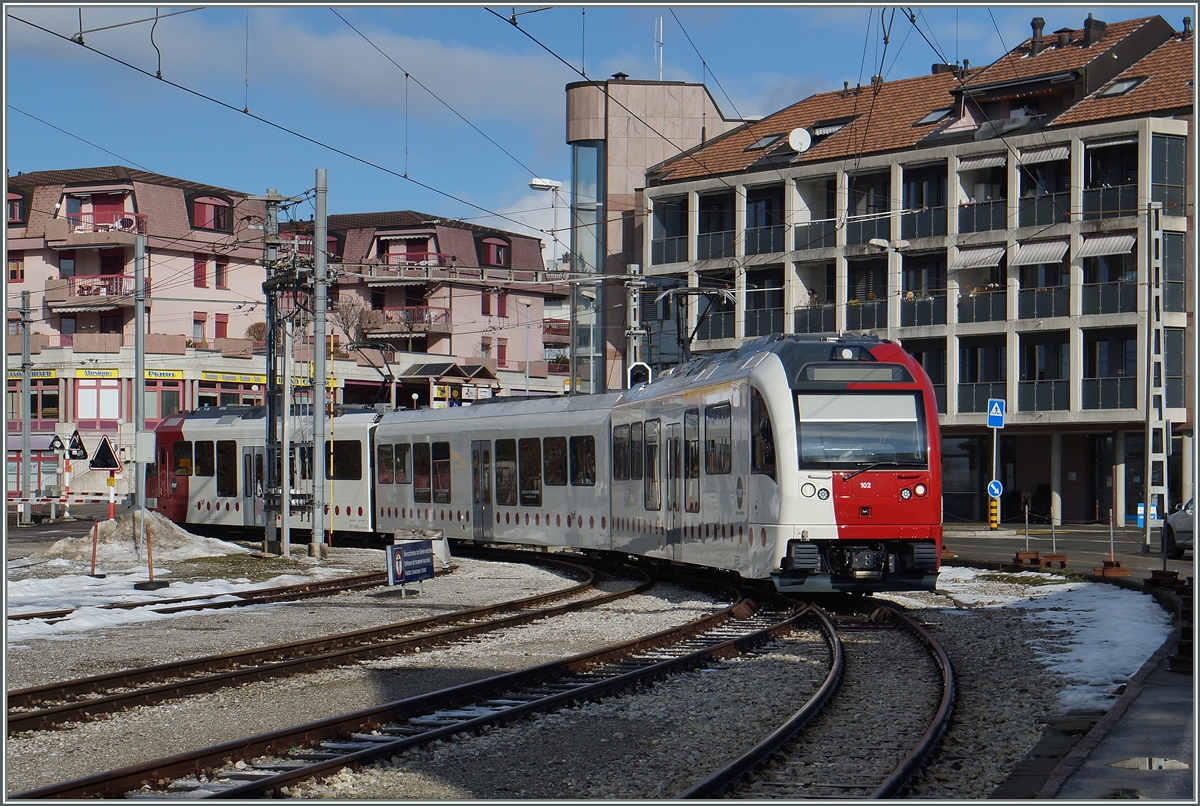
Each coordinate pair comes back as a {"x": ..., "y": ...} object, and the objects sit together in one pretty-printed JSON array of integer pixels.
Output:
[
  {"x": 824, "y": 128},
  {"x": 493, "y": 252},
  {"x": 1120, "y": 87},
  {"x": 17, "y": 208},
  {"x": 211, "y": 213}
]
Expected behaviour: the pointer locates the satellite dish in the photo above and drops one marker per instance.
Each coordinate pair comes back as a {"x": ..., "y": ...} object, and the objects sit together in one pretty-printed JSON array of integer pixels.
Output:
[{"x": 800, "y": 140}]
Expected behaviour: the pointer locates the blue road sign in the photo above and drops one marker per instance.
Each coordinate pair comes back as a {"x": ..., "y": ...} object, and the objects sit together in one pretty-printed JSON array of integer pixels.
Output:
[
  {"x": 996, "y": 408},
  {"x": 411, "y": 561},
  {"x": 995, "y": 488}
]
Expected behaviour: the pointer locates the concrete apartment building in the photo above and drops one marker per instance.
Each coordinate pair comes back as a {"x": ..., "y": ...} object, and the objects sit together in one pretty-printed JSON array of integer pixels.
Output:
[{"x": 993, "y": 220}]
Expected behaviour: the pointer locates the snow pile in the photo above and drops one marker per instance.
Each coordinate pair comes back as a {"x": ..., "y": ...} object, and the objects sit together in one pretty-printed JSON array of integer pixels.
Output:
[{"x": 120, "y": 542}]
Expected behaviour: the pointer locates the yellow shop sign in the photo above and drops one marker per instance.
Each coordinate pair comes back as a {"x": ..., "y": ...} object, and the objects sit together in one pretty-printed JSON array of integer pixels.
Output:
[{"x": 91, "y": 372}]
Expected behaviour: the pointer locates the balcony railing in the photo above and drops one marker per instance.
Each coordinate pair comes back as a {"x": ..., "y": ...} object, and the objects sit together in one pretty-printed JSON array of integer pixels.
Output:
[
  {"x": 983, "y": 216},
  {"x": 919, "y": 311},
  {"x": 103, "y": 285},
  {"x": 862, "y": 230},
  {"x": 927, "y": 223},
  {"x": 973, "y": 397},
  {"x": 764, "y": 240},
  {"x": 815, "y": 319},
  {"x": 1110, "y": 202},
  {"x": 1044, "y": 395},
  {"x": 1043, "y": 303},
  {"x": 560, "y": 328},
  {"x": 816, "y": 234},
  {"x": 108, "y": 222},
  {"x": 1109, "y": 298},
  {"x": 983, "y": 306},
  {"x": 1044, "y": 210},
  {"x": 718, "y": 325},
  {"x": 418, "y": 259},
  {"x": 1174, "y": 295},
  {"x": 763, "y": 321},
  {"x": 417, "y": 318},
  {"x": 1110, "y": 393},
  {"x": 715, "y": 244},
  {"x": 668, "y": 250},
  {"x": 866, "y": 314}
]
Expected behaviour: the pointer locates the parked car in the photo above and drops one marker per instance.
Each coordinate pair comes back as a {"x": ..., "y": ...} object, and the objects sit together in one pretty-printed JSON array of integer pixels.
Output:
[{"x": 1177, "y": 531}]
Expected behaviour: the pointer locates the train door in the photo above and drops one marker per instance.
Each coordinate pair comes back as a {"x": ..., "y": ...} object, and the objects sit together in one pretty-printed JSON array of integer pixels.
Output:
[
  {"x": 254, "y": 461},
  {"x": 481, "y": 487},
  {"x": 673, "y": 476}
]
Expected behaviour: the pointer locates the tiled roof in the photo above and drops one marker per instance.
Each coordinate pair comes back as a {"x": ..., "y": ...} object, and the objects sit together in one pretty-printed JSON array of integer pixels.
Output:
[
  {"x": 882, "y": 121},
  {"x": 1018, "y": 64},
  {"x": 394, "y": 218},
  {"x": 1167, "y": 72},
  {"x": 113, "y": 173}
]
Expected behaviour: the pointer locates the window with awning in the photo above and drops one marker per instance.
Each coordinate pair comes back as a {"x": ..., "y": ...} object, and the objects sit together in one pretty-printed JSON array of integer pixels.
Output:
[
  {"x": 1098, "y": 245},
  {"x": 980, "y": 257},
  {"x": 1032, "y": 254}
]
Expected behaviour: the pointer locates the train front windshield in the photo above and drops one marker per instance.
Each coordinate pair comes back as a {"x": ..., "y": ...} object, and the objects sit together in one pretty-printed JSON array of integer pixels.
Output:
[{"x": 854, "y": 430}]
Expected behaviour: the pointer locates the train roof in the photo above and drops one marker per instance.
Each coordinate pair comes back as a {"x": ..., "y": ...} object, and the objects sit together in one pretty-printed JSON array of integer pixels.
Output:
[
  {"x": 583, "y": 406},
  {"x": 224, "y": 415}
]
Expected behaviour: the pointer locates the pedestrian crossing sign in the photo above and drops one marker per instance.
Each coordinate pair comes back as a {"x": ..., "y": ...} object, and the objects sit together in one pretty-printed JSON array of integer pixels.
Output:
[{"x": 996, "y": 408}]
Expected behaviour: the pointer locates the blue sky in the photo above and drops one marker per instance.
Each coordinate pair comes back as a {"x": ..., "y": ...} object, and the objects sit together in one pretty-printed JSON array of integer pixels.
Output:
[{"x": 306, "y": 69}]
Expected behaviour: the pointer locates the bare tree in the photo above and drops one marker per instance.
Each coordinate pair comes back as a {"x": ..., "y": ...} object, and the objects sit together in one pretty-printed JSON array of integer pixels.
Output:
[
  {"x": 355, "y": 319},
  {"x": 257, "y": 331}
]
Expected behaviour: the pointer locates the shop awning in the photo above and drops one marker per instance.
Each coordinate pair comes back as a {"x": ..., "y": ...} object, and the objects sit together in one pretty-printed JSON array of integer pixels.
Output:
[
  {"x": 1097, "y": 245},
  {"x": 1032, "y": 254},
  {"x": 981, "y": 257}
]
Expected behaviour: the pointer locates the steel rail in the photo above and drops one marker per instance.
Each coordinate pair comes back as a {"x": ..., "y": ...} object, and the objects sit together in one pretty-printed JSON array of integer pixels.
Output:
[
  {"x": 115, "y": 783},
  {"x": 265, "y": 662}
]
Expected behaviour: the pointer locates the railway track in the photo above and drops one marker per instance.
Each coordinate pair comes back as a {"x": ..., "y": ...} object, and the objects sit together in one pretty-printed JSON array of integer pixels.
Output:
[
  {"x": 45, "y": 706},
  {"x": 263, "y": 765},
  {"x": 867, "y": 730},
  {"x": 241, "y": 598}
]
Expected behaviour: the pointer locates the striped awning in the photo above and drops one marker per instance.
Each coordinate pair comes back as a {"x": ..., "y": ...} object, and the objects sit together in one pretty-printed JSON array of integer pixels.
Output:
[
  {"x": 1123, "y": 140},
  {"x": 985, "y": 161},
  {"x": 981, "y": 257},
  {"x": 410, "y": 235},
  {"x": 1033, "y": 254},
  {"x": 103, "y": 306},
  {"x": 1052, "y": 154},
  {"x": 1097, "y": 245}
]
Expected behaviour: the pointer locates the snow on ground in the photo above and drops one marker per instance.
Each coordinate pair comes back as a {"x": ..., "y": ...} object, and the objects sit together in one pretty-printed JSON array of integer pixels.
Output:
[
  {"x": 1111, "y": 631},
  {"x": 122, "y": 542}
]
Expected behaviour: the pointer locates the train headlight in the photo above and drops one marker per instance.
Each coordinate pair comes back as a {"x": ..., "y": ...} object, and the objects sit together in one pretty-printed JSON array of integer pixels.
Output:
[
  {"x": 808, "y": 490},
  {"x": 906, "y": 494},
  {"x": 921, "y": 490},
  {"x": 823, "y": 494}
]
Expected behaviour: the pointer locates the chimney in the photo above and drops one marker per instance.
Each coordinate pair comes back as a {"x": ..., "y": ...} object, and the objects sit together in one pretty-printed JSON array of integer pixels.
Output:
[
  {"x": 1064, "y": 37},
  {"x": 1093, "y": 31},
  {"x": 943, "y": 68},
  {"x": 966, "y": 68},
  {"x": 845, "y": 89},
  {"x": 1187, "y": 27},
  {"x": 1036, "y": 47},
  {"x": 876, "y": 83},
  {"x": 620, "y": 76}
]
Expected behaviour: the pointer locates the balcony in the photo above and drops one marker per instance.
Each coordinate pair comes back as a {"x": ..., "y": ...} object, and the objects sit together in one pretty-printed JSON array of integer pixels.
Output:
[
  {"x": 1043, "y": 395},
  {"x": 927, "y": 223},
  {"x": 100, "y": 292},
  {"x": 869, "y": 314},
  {"x": 983, "y": 306},
  {"x": 923, "y": 311},
  {"x": 973, "y": 397},
  {"x": 1044, "y": 210},
  {"x": 763, "y": 321},
  {"x": 764, "y": 240},
  {"x": 862, "y": 230},
  {"x": 1044, "y": 303},
  {"x": 412, "y": 320},
  {"x": 815, "y": 319},
  {"x": 715, "y": 244},
  {"x": 1109, "y": 298},
  {"x": 816, "y": 235},
  {"x": 556, "y": 331},
  {"x": 1110, "y": 202},
  {"x": 418, "y": 259},
  {"x": 668, "y": 250},
  {"x": 983, "y": 216},
  {"x": 99, "y": 230},
  {"x": 1110, "y": 393},
  {"x": 717, "y": 325}
]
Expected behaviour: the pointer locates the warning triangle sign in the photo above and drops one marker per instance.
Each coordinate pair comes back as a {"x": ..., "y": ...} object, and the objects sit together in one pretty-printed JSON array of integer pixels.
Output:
[
  {"x": 105, "y": 458},
  {"x": 75, "y": 449},
  {"x": 995, "y": 412}
]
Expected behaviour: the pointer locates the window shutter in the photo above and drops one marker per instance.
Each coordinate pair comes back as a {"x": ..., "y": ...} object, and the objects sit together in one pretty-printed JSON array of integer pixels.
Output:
[{"x": 199, "y": 270}]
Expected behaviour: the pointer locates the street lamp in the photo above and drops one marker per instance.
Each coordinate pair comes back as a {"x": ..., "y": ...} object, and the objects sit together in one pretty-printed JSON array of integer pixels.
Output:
[
  {"x": 552, "y": 186},
  {"x": 527, "y": 302}
]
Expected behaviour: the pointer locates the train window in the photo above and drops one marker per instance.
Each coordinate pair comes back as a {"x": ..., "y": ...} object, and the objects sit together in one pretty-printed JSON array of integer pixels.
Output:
[
  {"x": 506, "y": 472},
  {"x": 583, "y": 461},
  {"x": 441, "y": 472},
  {"x": 620, "y": 436},
  {"x": 861, "y": 430},
  {"x": 226, "y": 468},
  {"x": 205, "y": 466},
  {"x": 401, "y": 457},
  {"x": 652, "y": 495},
  {"x": 554, "y": 451},
  {"x": 762, "y": 438},
  {"x": 691, "y": 460},
  {"x": 529, "y": 452},
  {"x": 637, "y": 451},
  {"x": 422, "y": 477},
  {"x": 183, "y": 458},
  {"x": 385, "y": 472},
  {"x": 247, "y": 477},
  {"x": 258, "y": 474},
  {"x": 718, "y": 456},
  {"x": 346, "y": 460}
]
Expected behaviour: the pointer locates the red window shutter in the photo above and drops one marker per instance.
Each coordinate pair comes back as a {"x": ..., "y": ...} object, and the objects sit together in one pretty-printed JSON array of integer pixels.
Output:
[
  {"x": 221, "y": 326},
  {"x": 502, "y": 352},
  {"x": 485, "y": 303},
  {"x": 199, "y": 271},
  {"x": 502, "y": 305}
]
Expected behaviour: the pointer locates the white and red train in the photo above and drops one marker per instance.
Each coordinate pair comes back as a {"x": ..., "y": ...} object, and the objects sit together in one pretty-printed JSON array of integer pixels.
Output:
[{"x": 811, "y": 461}]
